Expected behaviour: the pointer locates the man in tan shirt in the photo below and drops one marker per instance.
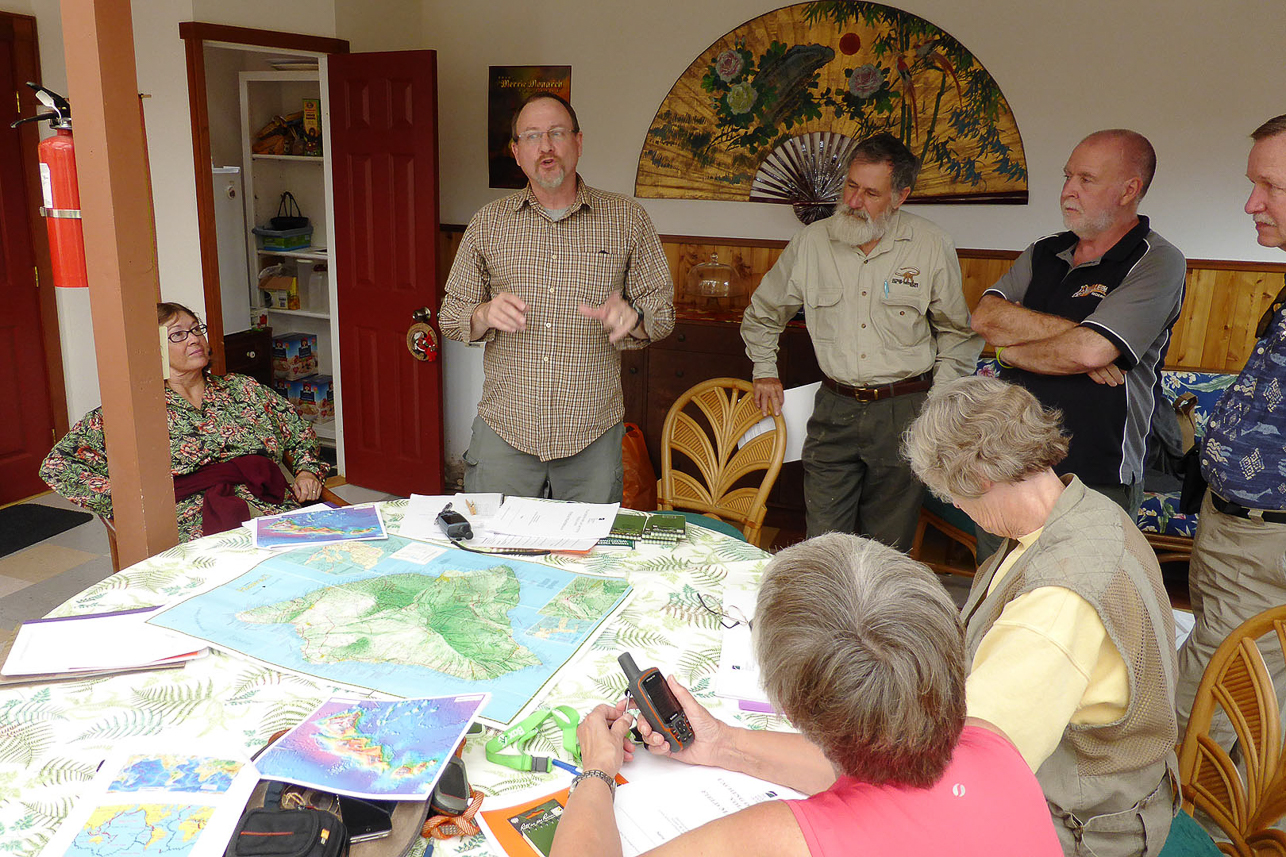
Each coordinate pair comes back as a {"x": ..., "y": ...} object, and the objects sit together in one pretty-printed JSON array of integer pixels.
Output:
[
  {"x": 882, "y": 298},
  {"x": 555, "y": 280}
]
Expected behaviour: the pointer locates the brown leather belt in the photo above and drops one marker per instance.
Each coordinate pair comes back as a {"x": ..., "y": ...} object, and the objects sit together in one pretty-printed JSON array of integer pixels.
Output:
[{"x": 883, "y": 391}]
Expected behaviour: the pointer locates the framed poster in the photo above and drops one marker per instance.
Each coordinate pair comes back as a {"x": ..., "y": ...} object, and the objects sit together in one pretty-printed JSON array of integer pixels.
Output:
[{"x": 509, "y": 86}]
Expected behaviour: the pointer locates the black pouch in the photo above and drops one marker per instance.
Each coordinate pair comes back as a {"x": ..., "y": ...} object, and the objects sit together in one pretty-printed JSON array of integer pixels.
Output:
[
  {"x": 288, "y": 833},
  {"x": 1194, "y": 484},
  {"x": 288, "y": 214}
]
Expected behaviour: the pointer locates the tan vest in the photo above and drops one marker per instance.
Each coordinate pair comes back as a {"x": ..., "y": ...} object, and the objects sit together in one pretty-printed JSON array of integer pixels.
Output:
[{"x": 1099, "y": 775}]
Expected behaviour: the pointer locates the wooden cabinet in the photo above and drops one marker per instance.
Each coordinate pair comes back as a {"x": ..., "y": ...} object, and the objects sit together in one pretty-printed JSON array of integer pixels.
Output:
[
  {"x": 250, "y": 353},
  {"x": 697, "y": 350}
]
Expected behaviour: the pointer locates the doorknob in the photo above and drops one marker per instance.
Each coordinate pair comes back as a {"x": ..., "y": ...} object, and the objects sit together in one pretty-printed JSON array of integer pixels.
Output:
[{"x": 423, "y": 315}]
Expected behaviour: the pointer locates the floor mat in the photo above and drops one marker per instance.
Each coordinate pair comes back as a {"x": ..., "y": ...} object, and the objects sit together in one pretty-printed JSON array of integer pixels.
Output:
[{"x": 23, "y": 525}]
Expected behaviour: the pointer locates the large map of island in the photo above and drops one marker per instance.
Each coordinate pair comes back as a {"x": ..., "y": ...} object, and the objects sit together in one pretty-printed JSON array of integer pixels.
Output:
[
  {"x": 140, "y": 830},
  {"x": 406, "y": 618}
]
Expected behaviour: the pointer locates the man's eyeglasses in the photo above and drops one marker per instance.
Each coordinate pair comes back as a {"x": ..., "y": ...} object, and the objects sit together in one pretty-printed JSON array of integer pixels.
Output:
[
  {"x": 531, "y": 139},
  {"x": 181, "y": 335},
  {"x": 730, "y": 618}
]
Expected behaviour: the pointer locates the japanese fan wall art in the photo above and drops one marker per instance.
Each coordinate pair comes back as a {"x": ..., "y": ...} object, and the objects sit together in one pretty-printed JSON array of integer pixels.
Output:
[{"x": 769, "y": 112}]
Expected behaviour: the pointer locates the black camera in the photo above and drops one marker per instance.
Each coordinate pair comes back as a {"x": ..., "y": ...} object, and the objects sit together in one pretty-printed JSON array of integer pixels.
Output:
[{"x": 455, "y": 525}]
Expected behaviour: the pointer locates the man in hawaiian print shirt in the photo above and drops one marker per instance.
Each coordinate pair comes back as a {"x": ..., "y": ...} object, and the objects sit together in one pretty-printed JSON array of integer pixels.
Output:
[{"x": 1238, "y": 566}]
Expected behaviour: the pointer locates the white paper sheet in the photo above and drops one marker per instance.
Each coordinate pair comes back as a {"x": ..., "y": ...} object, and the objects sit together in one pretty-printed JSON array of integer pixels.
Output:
[
  {"x": 544, "y": 524},
  {"x": 796, "y": 410},
  {"x": 102, "y": 641},
  {"x": 652, "y": 810}
]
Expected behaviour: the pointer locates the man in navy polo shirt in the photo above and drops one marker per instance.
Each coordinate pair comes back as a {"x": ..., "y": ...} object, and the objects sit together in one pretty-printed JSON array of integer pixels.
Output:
[
  {"x": 1238, "y": 566},
  {"x": 1083, "y": 318}
]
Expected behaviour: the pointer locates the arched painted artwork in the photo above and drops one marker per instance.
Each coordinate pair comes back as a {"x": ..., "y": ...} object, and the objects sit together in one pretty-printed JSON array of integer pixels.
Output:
[{"x": 768, "y": 112}]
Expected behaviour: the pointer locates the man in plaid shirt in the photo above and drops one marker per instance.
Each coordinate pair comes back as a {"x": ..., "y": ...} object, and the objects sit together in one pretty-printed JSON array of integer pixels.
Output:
[{"x": 555, "y": 281}]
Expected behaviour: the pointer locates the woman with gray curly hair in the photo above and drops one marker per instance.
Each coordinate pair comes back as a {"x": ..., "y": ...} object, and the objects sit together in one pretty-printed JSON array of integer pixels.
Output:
[
  {"x": 863, "y": 650},
  {"x": 1068, "y": 631}
]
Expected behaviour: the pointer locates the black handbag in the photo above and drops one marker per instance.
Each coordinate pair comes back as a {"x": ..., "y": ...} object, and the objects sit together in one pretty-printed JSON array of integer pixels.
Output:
[
  {"x": 288, "y": 214},
  {"x": 289, "y": 833}
]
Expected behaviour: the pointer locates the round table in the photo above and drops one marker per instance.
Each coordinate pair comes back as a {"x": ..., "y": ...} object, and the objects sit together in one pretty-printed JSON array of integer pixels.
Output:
[{"x": 53, "y": 736}]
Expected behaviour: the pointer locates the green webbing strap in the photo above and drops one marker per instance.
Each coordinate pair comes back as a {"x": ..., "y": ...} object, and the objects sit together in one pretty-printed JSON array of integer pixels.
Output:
[{"x": 524, "y": 730}]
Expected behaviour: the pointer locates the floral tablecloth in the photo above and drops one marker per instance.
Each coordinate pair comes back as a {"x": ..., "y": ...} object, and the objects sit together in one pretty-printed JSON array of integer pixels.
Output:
[{"x": 53, "y": 736}]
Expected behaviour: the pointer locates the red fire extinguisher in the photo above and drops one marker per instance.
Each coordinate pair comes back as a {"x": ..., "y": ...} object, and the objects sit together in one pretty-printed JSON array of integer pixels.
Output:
[{"x": 61, "y": 195}]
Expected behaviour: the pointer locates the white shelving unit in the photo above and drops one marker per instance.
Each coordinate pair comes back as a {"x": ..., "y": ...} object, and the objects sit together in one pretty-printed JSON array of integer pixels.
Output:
[{"x": 265, "y": 94}]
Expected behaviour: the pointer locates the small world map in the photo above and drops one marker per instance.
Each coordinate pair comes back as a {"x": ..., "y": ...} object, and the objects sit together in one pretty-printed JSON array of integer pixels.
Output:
[
  {"x": 196, "y": 774},
  {"x": 406, "y": 618},
  {"x": 149, "y": 830}
]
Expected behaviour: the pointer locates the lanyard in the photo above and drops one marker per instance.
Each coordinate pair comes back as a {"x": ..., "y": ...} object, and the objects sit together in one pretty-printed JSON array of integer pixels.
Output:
[{"x": 524, "y": 730}]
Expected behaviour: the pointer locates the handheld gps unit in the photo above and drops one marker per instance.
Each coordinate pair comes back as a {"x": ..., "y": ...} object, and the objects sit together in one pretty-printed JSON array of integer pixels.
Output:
[{"x": 657, "y": 703}]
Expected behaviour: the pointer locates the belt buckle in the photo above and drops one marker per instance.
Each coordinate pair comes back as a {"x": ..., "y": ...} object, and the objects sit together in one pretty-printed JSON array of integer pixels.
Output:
[
  {"x": 866, "y": 394},
  {"x": 1255, "y": 514}
]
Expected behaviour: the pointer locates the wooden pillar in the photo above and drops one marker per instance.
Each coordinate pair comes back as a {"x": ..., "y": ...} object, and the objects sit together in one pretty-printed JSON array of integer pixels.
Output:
[{"x": 111, "y": 163}]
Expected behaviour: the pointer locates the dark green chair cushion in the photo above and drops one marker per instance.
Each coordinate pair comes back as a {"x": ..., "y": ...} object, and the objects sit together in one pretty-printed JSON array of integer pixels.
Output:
[
  {"x": 1189, "y": 839},
  {"x": 713, "y": 524},
  {"x": 949, "y": 513}
]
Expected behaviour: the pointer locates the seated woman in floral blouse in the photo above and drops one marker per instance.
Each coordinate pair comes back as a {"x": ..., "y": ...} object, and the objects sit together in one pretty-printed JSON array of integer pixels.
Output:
[{"x": 228, "y": 434}]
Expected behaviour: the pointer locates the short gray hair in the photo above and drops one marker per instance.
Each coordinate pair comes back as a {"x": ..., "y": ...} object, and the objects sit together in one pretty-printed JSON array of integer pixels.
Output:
[
  {"x": 861, "y": 647},
  {"x": 884, "y": 148},
  {"x": 1140, "y": 157},
  {"x": 979, "y": 431}
]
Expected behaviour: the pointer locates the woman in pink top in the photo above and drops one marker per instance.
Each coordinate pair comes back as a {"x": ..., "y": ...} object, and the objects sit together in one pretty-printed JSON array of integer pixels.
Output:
[{"x": 862, "y": 648}]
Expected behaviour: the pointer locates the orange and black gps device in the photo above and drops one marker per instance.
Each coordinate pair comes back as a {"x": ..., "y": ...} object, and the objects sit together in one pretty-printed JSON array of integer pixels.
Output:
[{"x": 657, "y": 703}]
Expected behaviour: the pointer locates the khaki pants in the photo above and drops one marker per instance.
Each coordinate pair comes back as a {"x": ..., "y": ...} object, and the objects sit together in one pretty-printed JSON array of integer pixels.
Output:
[
  {"x": 855, "y": 478},
  {"x": 1238, "y": 570},
  {"x": 593, "y": 475}
]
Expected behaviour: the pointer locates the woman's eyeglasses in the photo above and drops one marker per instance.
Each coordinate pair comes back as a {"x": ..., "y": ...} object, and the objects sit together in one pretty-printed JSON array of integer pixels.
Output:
[
  {"x": 181, "y": 335},
  {"x": 730, "y": 618}
]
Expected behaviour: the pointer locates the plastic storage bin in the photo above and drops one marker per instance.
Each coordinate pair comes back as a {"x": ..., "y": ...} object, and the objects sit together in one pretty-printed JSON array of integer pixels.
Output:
[{"x": 284, "y": 239}]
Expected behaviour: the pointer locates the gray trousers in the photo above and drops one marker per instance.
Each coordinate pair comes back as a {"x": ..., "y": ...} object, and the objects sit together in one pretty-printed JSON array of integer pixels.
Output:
[
  {"x": 855, "y": 478},
  {"x": 593, "y": 475},
  {"x": 1237, "y": 570},
  {"x": 1128, "y": 497}
]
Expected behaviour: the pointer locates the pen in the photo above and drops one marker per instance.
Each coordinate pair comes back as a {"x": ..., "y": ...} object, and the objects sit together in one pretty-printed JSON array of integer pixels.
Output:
[
  {"x": 559, "y": 763},
  {"x": 886, "y": 287}
]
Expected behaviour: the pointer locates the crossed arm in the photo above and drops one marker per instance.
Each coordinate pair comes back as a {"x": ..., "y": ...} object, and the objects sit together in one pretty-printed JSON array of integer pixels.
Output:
[{"x": 1046, "y": 344}]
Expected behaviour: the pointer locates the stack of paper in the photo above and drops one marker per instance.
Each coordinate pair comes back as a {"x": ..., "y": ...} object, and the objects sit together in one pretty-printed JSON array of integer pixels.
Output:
[
  {"x": 101, "y": 644},
  {"x": 519, "y": 523}
]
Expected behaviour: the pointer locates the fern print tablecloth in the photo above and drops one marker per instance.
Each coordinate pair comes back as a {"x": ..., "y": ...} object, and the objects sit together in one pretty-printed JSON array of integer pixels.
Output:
[{"x": 53, "y": 736}]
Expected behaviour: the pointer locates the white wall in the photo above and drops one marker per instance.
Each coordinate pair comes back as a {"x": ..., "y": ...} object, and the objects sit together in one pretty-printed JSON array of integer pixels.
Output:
[{"x": 1195, "y": 77}]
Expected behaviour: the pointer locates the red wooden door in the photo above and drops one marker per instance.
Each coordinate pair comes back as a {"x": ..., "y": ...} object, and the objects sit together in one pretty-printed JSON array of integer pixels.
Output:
[
  {"x": 26, "y": 417},
  {"x": 384, "y": 156}
]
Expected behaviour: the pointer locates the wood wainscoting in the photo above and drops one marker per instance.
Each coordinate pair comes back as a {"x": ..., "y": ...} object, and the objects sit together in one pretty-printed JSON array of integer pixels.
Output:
[{"x": 1215, "y": 331}]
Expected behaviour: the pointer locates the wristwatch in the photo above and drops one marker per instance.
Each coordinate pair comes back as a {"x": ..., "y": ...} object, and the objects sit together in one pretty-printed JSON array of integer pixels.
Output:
[
  {"x": 593, "y": 774},
  {"x": 637, "y": 312}
]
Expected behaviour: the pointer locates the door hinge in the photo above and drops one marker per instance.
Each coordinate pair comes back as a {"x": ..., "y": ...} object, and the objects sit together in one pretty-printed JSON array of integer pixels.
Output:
[
  {"x": 17, "y": 99},
  {"x": 36, "y": 271}
]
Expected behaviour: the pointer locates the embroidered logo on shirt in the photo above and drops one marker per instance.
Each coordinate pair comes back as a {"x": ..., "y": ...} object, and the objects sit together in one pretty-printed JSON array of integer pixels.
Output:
[
  {"x": 1094, "y": 290},
  {"x": 905, "y": 277}
]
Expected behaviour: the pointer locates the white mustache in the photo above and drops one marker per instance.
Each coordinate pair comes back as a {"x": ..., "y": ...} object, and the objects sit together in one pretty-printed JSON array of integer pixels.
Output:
[{"x": 1265, "y": 219}]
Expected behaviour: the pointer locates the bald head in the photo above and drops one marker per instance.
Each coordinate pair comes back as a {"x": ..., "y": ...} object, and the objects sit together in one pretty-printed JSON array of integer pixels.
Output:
[{"x": 1138, "y": 158}]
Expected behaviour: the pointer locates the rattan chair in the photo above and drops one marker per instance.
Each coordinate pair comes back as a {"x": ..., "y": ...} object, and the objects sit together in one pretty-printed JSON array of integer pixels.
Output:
[
  {"x": 1237, "y": 682},
  {"x": 713, "y": 481}
]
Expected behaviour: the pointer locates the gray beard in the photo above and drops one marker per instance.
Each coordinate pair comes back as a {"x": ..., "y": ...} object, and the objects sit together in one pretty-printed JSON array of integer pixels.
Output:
[
  {"x": 854, "y": 228},
  {"x": 553, "y": 183}
]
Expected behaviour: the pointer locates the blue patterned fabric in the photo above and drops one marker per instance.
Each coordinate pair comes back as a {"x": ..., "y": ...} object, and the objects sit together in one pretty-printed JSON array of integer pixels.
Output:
[
  {"x": 1242, "y": 457},
  {"x": 1159, "y": 513}
]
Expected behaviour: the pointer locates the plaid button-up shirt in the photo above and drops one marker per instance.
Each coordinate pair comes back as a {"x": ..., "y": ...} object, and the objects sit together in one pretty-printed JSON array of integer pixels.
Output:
[{"x": 555, "y": 387}]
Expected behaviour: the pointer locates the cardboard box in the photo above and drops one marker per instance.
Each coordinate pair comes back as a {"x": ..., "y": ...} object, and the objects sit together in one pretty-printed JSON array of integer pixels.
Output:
[
  {"x": 289, "y": 390},
  {"x": 280, "y": 292},
  {"x": 294, "y": 355},
  {"x": 312, "y": 126},
  {"x": 317, "y": 397}
]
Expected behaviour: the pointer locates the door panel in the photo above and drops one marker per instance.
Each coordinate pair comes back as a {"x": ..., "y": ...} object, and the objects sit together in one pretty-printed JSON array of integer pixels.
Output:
[
  {"x": 28, "y": 420},
  {"x": 383, "y": 114}
]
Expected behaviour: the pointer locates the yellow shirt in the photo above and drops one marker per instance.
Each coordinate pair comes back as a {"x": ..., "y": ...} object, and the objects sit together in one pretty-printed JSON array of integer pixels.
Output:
[{"x": 1046, "y": 662}]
